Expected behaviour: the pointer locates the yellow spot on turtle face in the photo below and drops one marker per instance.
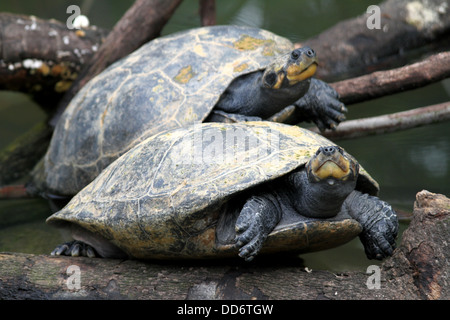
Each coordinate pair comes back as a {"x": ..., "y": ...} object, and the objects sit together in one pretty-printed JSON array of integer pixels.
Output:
[
  {"x": 240, "y": 67},
  {"x": 184, "y": 75},
  {"x": 249, "y": 43},
  {"x": 330, "y": 169},
  {"x": 280, "y": 79},
  {"x": 296, "y": 74}
]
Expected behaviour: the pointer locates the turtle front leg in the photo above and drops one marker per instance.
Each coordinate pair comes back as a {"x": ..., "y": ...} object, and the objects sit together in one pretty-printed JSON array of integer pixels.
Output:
[
  {"x": 74, "y": 248},
  {"x": 321, "y": 105},
  {"x": 257, "y": 219},
  {"x": 379, "y": 222}
]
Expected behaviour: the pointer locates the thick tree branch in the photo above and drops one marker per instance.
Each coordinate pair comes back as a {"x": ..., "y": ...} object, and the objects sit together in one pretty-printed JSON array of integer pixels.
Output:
[
  {"x": 207, "y": 12},
  {"x": 417, "y": 270},
  {"x": 43, "y": 57},
  {"x": 408, "y": 28},
  {"x": 382, "y": 83},
  {"x": 390, "y": 122}
]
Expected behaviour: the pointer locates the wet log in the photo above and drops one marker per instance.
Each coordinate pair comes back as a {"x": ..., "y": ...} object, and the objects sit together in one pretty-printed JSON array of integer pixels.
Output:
[
  {"x": 406, "y": 30},
  {"x": 417, "y": 270},
  {"x": 389, "y": 122},
  {"x": 43, "y": 57}
]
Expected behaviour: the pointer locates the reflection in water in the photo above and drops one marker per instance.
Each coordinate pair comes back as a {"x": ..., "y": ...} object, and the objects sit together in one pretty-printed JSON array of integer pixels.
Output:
[
  {"x": 251, "y": 14},
  {"x": 433, "y": 158}
]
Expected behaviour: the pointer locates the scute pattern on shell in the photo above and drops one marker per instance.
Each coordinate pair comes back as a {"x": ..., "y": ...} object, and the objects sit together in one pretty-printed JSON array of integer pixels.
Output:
[
  {"x": 162, "y": 198},
  {"x": 170, "y": 82}
]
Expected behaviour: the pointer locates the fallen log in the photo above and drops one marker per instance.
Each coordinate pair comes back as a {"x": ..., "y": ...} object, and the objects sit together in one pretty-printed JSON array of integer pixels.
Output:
[
  {"x": 389, "y": 122},
  {"x": 417, "y": 270}
]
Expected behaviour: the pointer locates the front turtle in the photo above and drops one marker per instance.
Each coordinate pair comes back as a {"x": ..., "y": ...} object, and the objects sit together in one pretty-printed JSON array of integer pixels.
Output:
[
  {"x": 219, "y": 74},
  {"x": 217, "y": 190}
]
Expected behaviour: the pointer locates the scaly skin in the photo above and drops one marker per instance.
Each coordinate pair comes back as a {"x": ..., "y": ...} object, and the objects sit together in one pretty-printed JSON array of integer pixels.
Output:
[{"x": 315, "y": 197}]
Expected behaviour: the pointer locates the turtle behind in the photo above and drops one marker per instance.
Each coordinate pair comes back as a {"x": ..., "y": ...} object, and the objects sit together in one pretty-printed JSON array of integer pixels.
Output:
[{"x": 168, "y": 83}]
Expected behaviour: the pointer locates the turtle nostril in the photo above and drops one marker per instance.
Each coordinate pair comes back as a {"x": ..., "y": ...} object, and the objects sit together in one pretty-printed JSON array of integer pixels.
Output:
[
  {"x": 310, "y": 53},
  {"x": 328, "y": 151}
]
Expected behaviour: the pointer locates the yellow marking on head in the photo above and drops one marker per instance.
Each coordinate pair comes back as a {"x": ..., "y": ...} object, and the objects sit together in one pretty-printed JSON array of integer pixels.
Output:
[
  {"x": 297, "y": 73},
  {"x": 280, "y": 78},
  {"x": 331, "y": 169}
]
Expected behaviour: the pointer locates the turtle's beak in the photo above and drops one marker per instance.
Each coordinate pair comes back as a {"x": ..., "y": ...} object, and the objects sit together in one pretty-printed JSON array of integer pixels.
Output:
[
  {"x": 303, "y": 65},
  {"x": 331, "y": 162}
]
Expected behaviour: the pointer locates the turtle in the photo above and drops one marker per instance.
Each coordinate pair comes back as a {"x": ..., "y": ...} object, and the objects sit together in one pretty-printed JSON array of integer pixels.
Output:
[
  {"x": 221, "y": 190},
  {"x": 208, "y": 74}
]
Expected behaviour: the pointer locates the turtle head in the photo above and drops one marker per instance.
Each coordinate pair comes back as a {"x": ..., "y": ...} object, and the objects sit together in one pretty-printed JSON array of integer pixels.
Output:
[
  {"x": 328, "y": 179},
  {"x": 290, "y": 69},
  {"x": 332, "y": 164}
]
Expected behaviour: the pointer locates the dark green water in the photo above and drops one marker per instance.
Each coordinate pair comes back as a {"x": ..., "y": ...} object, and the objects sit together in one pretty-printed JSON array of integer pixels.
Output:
[{"x": 403, "y": 163}]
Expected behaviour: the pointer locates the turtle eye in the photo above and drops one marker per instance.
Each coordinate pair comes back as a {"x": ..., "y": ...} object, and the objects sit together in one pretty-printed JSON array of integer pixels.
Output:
[{"x": 295, "y": 55}]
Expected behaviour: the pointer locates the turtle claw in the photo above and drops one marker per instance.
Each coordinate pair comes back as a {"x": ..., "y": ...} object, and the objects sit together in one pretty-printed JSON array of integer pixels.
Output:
[
  {"x": 75, "y": 249},
  {"x": 321, "y": 105},
  {"x": 380, "y": 228},
  {"x": 250, "y": 233}
]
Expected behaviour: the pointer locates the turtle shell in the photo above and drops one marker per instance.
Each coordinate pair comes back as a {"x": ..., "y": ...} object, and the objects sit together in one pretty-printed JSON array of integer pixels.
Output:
[
  {"x": 168, "y": 83},
  {"x": 163, "y": 198}
]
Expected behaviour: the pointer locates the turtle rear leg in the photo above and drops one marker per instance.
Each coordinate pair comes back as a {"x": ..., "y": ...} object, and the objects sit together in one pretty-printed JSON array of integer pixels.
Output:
[
  {"x": 379, "y": 222},
  {"x": 74, "y": 248},
  {"x": 88, "y": 244}
]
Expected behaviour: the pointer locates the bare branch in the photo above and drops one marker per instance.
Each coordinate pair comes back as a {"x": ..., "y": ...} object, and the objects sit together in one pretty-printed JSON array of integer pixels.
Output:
[
  {"x": 208, "y": 12},
  {"x": 382, "y": 83},
  {"x": 390, "y": 122}
]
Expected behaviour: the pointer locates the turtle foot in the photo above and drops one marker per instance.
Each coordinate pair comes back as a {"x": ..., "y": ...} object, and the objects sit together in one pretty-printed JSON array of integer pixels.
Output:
[
  {"x": 380, "y": 227},
  {"x": 256, "y": 220},
  {"x": 321, "y": 105},
  {"x": 75, "y": 249}
]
